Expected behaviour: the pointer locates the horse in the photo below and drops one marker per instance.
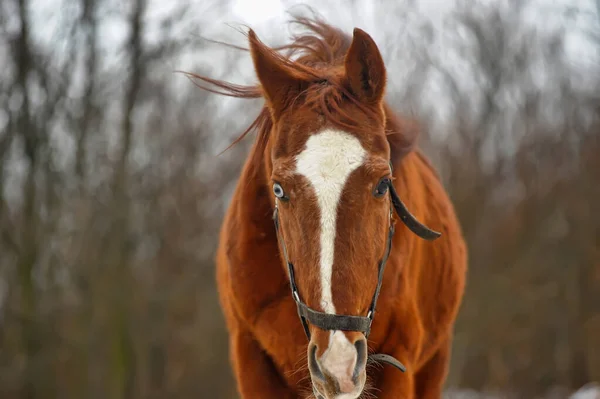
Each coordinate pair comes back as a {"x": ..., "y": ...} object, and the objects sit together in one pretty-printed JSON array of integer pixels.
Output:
[{"x": 324, "y": 293}]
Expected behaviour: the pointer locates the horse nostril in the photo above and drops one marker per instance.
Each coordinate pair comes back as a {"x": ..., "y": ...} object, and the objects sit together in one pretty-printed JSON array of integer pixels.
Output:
[
  {"x": 361, "y": 359},
  {"x": 313, "y": 365}
]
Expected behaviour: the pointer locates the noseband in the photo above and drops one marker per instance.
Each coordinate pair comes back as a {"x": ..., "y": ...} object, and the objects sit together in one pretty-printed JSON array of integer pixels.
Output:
[{"x": 362, "y": 324}]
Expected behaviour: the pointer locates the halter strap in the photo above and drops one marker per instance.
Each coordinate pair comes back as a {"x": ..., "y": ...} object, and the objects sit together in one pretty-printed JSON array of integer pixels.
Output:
[
  {"x": 409, "y": 220},
  {"x": 327, "y": 321}
]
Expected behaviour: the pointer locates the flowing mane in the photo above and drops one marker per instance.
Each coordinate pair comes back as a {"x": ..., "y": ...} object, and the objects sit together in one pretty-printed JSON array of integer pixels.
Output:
[{"x": 314, "y": 55}]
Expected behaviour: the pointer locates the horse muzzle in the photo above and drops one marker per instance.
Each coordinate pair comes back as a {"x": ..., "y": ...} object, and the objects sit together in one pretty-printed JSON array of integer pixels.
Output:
[{"x": 340, "y": 372}]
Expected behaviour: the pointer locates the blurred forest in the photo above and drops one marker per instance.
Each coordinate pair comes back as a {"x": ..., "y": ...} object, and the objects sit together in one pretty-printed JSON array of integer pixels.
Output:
[{"x": 112, "y": 192}]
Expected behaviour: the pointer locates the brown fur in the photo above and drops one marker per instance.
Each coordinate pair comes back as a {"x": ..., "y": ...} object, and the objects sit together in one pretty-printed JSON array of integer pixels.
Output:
[{"x": 335, "y": 81}]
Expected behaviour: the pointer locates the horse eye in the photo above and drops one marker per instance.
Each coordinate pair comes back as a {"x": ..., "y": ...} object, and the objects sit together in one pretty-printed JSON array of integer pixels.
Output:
[
  {"x": 278, "y": 191},
  {"x": 382, "y": 187}
]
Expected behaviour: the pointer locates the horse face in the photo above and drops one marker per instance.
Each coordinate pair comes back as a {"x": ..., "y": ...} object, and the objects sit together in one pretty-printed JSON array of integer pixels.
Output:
[
  {"x": 329, "y": 174},
  {"x": 335, "y": 216}
]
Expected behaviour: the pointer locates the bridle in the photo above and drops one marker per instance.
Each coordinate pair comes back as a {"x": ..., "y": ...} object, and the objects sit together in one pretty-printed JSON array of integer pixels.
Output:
[{"x": 362, "y": 324}]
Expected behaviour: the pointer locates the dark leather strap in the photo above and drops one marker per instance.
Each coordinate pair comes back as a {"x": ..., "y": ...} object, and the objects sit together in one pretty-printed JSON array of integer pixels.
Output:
[
  {"x": 382, "y": 264},
  {"x": 409, "y": 220},
  {"x": 383, "y": 358},
  {"x": 327, "y": 321}
]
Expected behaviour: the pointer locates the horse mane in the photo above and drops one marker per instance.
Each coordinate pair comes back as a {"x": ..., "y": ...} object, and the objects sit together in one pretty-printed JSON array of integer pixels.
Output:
[{"x": 311, "y": 56}]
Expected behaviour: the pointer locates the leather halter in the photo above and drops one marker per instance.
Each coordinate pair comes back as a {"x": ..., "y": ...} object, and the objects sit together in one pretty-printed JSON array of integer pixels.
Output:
[{"x": 362, "y": 324}]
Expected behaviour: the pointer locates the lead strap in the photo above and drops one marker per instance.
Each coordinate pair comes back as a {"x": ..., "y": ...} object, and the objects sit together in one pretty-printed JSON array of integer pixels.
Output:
[{"x": 383, "y": 358}]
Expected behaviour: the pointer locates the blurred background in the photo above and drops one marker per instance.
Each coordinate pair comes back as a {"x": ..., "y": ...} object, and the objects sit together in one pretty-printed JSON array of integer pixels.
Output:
[{"x": 112, "y": 189}]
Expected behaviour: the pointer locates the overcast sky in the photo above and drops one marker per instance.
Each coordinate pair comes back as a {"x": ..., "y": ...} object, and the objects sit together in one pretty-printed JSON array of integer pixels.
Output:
[
  {"x": 268, "y": 18},
  {"x": 577, "y": 18}
]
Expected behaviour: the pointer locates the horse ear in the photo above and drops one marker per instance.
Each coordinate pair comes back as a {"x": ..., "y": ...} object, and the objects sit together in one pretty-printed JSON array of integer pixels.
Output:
[
  {"x": 365, "y": 69},
  {"x": 279, "y": 83}
]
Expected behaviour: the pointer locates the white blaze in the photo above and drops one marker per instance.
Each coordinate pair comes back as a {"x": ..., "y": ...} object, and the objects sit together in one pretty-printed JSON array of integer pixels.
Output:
[{"x": 327, "y": 161}]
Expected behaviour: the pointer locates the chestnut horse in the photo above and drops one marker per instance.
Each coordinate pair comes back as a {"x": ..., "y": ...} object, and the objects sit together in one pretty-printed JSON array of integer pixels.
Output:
[{"x": 329, "y": 165}]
